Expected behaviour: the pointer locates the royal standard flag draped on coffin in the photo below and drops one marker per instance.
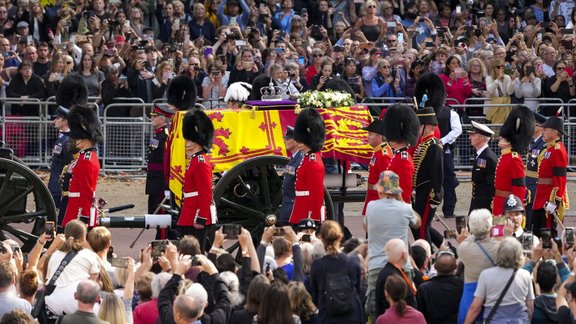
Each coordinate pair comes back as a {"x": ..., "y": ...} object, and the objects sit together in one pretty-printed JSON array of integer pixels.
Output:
[{"x": 243, "y": 134}]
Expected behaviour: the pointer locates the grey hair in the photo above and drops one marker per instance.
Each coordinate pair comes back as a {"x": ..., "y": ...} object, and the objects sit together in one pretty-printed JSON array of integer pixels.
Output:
[
  {"x": 158, "y": 283},
  {"x": 509, "y": 253},
  {"x": 480, "y": 223},
  {"x": 233, "y": 284}
]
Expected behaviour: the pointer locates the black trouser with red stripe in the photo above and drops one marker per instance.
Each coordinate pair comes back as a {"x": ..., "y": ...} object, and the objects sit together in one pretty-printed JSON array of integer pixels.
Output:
[{"x": 426, "y": 231}]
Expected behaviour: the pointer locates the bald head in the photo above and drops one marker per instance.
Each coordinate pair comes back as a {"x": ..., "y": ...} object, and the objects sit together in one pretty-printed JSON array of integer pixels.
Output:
[
  {"x": 445, "y": 264},
  {"x": 396, "y": 251},
  {"x": 87, "y": 292},
  {"x": 187, "y": 309}
]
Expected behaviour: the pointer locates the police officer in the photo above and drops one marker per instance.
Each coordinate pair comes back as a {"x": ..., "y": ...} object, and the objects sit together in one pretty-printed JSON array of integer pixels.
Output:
[
  {"x": 551, "y": 195},
  {"x": 401, "y": 129},
  {"x": 198, "y": 212},
  {"x": 380, "y": 159},
  {"x": 483, "y": 169},
  {"x": 86, "y": 132},
  {"x": 289, "y": 177},
  {"x": 513, "y": 210},
  {"x": 536, "y": 146},
  {"x": 428, "y": 176},
  {"x": 310, "y": 133},
  {"x": 155, "y": 183},
  {"x": 514, "y": 138},
  {"x": 61, "y": 155}
]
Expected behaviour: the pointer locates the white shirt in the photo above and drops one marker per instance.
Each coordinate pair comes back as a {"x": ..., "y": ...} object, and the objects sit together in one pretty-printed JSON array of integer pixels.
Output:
[
  {"x": 481, "y": 150},
  {"x": 84, "y": 263},
  {"x": 456, "y": 129}
]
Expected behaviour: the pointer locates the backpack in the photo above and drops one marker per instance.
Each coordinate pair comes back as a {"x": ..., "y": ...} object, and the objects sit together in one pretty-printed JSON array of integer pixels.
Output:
[{"x": 339, "y": 291}]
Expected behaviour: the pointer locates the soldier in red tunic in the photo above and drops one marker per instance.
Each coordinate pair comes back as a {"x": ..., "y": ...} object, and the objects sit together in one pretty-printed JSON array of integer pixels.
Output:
[
  {"x": 198, "y": 212},
  {"x": 515, "y": 136},
  {"x": 86, "y": 133},
  {"x": 551, "y": 195},
  {"x": 380, "y": 159},
  {"x": 310, "y": 133},
  {"x": 401, "y": 129}
]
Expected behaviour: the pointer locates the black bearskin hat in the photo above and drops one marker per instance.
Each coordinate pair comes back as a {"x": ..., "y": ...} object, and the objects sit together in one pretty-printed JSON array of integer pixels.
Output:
[
  {"x": 181, "y": 92},
  {"x": 258, "y": 83},
  {"x": 518, "y": 128},
  {"x": 401, "y": 124},
  {"x": 198, "y": 128},
  {"x": 72, "y": 91},
  {"x": 431, "y": 85},
  {"x": 84, "y": 124},
  {"x": 310, "y": 129},
  {"x": 338, "y": 84}
]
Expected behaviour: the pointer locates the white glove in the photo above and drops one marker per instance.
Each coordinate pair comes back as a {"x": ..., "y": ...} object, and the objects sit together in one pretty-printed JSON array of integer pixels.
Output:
[
  {"x": 167, "y": 193},
  {"x": 433, "y": 206},
  {"x": 550, "y": 207}
]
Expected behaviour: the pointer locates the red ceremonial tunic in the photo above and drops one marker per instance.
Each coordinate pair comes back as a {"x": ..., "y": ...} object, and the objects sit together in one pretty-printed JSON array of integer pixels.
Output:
[
  {"x": 508, "y": 179},
  {"x": 378, "y": 164},
  {"x": 83, "y": 183},
  {"x": 309, "y": 188},
  {"x": 403, "y": 166},
  {"x": 553, "y": 161},
  {"x": 197, "y": 195}
]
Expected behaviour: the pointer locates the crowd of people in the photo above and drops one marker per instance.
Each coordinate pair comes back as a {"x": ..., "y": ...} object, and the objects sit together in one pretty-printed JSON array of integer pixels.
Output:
[{"x": 306, "y": 269}]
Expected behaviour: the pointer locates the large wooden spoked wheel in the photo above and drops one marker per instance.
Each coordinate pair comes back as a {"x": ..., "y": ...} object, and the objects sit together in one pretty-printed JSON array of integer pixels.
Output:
[
  {"x": 250, "y": 195},
  {"x": 25, "y": 203}
]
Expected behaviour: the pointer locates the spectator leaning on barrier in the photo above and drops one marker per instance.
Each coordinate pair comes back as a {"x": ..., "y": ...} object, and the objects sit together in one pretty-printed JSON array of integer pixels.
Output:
[{"x": 26, "y": 85}]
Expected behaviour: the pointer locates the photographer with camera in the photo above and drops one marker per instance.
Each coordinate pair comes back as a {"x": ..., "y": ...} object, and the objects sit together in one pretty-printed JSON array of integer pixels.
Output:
[
  {"x": 287, "y": 251},
  {"x": 245, "y": 69},
  {"x": 140, "y": 76}
]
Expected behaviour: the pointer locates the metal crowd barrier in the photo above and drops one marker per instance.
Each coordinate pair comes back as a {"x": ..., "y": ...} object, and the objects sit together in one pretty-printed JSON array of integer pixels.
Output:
[
  {"x": 127, "y": 131},
  {"x": 127, "y": 136}
]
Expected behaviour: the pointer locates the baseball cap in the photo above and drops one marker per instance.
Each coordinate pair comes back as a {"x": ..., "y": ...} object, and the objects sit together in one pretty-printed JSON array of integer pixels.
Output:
[
  {"x": 338, "y": 48},
  {"x": 376, "y": 51},
  {"x": 22, "y": 24}
]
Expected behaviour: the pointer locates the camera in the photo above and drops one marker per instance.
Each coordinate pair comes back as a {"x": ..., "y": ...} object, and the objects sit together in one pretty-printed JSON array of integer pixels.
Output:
[
  {"x": 232, "y": 36},
  {"x": 88, "y": 14},
  {"x": 113, "y": 24},
  {"x": 231, "y": 231},
  {"x": 196, "y": 261}
]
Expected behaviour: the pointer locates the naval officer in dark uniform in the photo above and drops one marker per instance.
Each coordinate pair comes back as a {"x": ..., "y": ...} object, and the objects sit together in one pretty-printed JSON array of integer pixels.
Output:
[
  {"x": 289, "y": 180},
  {"x": 483, "y": 169},
  {"x": 155, "y": 183},
  {"x": 61, "y": 155},
  {"x": 534, "y": 148}
]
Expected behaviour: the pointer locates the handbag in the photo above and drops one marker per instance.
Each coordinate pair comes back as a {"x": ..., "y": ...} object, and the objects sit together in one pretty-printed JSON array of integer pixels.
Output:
[
  {"x": 497, "y": 115},
  {"x": 39, "y": 311},
  {"x": 493, "y": 311}
]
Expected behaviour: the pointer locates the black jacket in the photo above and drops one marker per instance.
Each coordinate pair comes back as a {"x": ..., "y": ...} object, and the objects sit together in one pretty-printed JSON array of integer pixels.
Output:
[
  {"x": 381, "y": 303},
  {"x": 483, "y": 180},
  {"x": 440, "y": 310},
  {"x": 222, "y": 305},
  {"x": 34, "y": 88}
]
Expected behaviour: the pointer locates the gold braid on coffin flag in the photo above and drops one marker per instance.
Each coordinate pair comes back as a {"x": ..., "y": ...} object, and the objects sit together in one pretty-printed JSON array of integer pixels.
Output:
[{"x": 243, "y": 134}]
